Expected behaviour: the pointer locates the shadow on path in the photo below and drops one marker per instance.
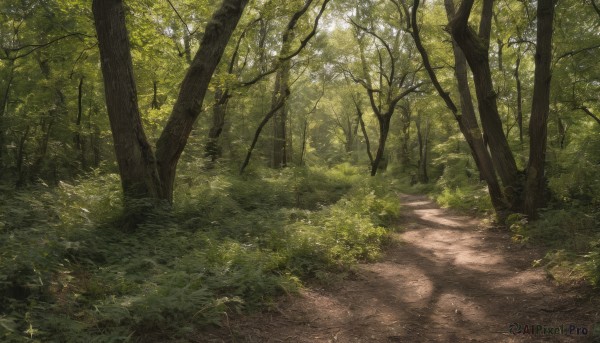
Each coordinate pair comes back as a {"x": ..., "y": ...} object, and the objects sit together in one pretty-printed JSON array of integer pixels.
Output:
[{"x": 445, "y": 279}]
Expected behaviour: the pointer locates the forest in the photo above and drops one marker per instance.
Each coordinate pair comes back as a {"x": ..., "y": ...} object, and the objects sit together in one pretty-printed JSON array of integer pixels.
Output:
[{"x": 183, "y": 170}]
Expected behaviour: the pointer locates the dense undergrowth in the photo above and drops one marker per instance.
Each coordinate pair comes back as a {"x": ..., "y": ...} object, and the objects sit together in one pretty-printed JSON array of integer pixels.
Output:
[{"x": 68, "y": 273}]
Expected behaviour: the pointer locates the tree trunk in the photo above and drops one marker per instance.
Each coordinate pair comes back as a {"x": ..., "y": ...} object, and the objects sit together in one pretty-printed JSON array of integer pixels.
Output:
[
  {"x": 155, "y": 105},
  {"x": 519, "y": 98},
  {"x": 475, "y": 49},
  {"x": 562, "y": 133},
  {"x": 213, "y": 148},
  {"x": 279, "y": 154},
  {"x": 174, "y": 137},
  {"x": 404, "y": 149},
  {"x": 536, "y": 188},
  {"x": 79, "y": 141},
  {"x": 4, "y": 97},
  {"x": 469, "y": 127},
  {"x": 384, "y": 128},
  {"x": 279, "y": 157},
  {"x": 423, "y": 139},
  {"x": 304, "y": 137},
  {"x": 467, "y": 121},
  {"x": 137, "y": 165},
  {"x": 364, "y": 132}
]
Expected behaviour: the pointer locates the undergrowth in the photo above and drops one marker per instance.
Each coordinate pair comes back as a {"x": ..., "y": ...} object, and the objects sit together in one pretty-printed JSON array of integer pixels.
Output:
[{"x": 68, "y": 273}]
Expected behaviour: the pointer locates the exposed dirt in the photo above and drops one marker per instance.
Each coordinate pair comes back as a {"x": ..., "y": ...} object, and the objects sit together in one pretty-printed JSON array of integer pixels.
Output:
[{"x": 445, "y": 278}]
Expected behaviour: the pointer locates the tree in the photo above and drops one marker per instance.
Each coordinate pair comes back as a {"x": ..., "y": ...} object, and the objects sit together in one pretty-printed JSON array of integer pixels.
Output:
[
  {"x": 282, "y": 79},
  {"x": 145, "y": 174},
  {"x": 395, "y": 78},
  {"x": 281, "y": 92},
  {"x": 514, "y": 194}
]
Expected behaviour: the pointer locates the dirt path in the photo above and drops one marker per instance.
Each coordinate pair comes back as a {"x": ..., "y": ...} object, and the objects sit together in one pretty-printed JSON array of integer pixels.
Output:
[{"x": 445, "y": 279}]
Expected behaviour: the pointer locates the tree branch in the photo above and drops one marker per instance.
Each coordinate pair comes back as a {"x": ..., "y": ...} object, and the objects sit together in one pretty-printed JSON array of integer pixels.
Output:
[
  {"x": 260, "y": 76},
  {"x": 578, "y": 51},
  {"x": 35, "y": 47},
  {"x": 405, "y": 93},
  {"x": 238, "y": 43},
  {"x": 589, "y": 113},
  {"x": 309, "y": 36},
  {"x": 180, "y": 17},
  {"x": 384, "y": 43},
  {"x": 425, "y": 56}
]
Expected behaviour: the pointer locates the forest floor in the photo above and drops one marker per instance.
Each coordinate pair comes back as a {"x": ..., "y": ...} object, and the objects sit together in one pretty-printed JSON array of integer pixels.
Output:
[{"x": 444, "y": 278}]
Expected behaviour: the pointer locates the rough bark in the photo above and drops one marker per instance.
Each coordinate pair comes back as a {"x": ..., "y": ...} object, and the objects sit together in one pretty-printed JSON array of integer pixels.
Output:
[
  {"x": 538, "y": 123},
  {"x": 137, "y": 165}
]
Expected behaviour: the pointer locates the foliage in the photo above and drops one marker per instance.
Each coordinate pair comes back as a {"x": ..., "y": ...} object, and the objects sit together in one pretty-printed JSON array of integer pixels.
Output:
[
  {"x": 472, "y": 199},
  {"x": 69, "y": 273}
]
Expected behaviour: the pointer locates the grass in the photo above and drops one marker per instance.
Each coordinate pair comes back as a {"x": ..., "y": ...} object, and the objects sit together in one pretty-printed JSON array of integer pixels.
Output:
[{"x": 69, "y": 273}]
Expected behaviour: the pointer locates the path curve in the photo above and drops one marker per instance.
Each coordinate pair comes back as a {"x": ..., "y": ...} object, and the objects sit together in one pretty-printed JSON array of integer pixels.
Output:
[{"x": 444, "y": 279}]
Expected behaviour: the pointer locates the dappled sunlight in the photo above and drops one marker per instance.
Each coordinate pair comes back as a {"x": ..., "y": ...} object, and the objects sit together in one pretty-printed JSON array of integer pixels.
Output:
[
  {"x": 459, "y": 306},
  {"x": 441, "y": 281},
  {"x": 440, "y": 218},
  {"x": 464, "y": 249},
  {"x": 417, "y": 287},
  {"x": 418, "y": 204}
]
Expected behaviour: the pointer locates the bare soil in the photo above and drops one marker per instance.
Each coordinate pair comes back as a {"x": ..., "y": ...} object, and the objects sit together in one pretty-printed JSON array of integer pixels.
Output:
[{"x": 445, "y": 278}]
